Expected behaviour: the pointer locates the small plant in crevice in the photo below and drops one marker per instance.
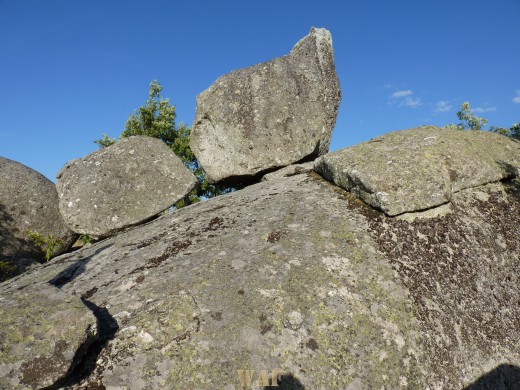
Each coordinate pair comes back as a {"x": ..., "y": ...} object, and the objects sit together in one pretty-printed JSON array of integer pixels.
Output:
[
  {"x": 47, "y": 244},
  {"x": 85, "y": 239},
  {"x": 6, "y": 271}
]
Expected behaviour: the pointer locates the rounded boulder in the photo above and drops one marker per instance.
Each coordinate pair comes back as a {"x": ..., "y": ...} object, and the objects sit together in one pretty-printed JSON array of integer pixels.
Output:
[
  {"x": 122, "y": 185},
  {"x": 28, "y": 203}
]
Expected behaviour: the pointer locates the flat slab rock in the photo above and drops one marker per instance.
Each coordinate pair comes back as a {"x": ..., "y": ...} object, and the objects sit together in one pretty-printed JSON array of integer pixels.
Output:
[
  {"x": 420, "y": 168},
  {"x": 300, "y": 276},
  {"x": 122, "y": 185},
  {"x": 269, "y": 115},
  {"x": 28, "y": 201}
]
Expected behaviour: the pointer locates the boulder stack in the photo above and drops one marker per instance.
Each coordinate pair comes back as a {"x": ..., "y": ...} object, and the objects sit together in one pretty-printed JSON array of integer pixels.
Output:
[
  {"x": 269, "y": 115},
  {"x": 122, "y": 185},
  {"x": 397, "y": 268}
]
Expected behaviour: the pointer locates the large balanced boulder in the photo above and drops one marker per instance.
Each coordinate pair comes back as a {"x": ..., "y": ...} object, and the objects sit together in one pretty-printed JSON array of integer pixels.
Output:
[
  {"x": 121, "y": 185},
  {"x": 28, "y": 203},
  {"x": 420, "y": 168},
  {"x": 293, "y": 275},
  {"x": 269, "y": 115}
]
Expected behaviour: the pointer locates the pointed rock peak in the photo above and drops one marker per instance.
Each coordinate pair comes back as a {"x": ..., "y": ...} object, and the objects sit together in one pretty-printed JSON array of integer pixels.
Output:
[
  {"x": 319, "y": 37},
  {"x": 270, "y": 115}
]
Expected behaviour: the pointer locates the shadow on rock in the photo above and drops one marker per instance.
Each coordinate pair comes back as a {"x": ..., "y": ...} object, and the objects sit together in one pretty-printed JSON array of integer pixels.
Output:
[
  {"x": 510, "y": 169},
  {"x": 84, "y": 361},
  {"x": 287, "y": 382},
  {"x": 5, "y": 221},
  {"x": 17, "y": 255},
  {"x": 74, "y": 270},
  {"x": 503, "y": 377}
]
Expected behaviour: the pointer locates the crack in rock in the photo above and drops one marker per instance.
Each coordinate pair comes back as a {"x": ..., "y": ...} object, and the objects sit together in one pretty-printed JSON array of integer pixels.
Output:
[{"x": 84, "y": 361}]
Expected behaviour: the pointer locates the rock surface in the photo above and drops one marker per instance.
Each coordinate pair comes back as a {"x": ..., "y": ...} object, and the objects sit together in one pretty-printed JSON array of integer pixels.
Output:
[
  {"x": 298, "y": 275},
  {"x": 269, "y": 115},
  {"x": 420, "y": 168},
  {"x": 122, "y": 185},
  {"x": 56, "y": 330},
  {"x": 291, "y": 170},
  {"x": 28, "y": 201}
]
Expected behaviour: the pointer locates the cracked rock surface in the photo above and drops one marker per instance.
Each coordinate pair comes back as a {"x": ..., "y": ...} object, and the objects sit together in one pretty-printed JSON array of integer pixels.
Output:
[
  {"x": 298, "y": 275},
  {"x": 416, "y": 169},
  {"x": 43, "y": 333}
]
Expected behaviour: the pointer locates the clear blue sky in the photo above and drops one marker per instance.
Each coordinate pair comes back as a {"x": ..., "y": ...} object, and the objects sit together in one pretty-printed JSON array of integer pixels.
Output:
[{"x": 72, "y": 70}]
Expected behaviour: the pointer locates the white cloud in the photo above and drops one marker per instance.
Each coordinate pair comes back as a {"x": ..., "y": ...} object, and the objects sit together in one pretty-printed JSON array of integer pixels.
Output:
[
  {"x": 410, "y": 102},
  {"x": 516, "y": 99},
  {"x": 443, "y": 106},
  {"x": 400, "y": 94},
  {"x": 484, "y": 109}
]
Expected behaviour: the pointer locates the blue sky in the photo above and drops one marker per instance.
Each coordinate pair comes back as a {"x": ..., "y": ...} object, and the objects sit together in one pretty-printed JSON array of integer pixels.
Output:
[{"x": 72, "y": 70}]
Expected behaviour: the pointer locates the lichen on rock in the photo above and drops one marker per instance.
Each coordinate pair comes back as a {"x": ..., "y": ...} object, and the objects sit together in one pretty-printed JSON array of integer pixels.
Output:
[
  {"x": 270, "y": 115},
  {"x": 297, "y": 274},
  {"x": 420, "y": 168}
]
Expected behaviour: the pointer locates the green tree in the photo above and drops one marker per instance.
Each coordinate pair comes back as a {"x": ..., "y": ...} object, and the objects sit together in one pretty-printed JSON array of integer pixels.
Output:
[
  {"x": 513, "y": 131},
  {"x": 157, "y": 119},
  {"x": 105, "y": 141},
  {"x": 469, "y": 121}
]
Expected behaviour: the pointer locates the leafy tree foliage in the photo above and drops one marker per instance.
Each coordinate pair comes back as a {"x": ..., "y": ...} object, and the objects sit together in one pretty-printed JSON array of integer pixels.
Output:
[
  {"x": 513, "y": 131},
  {"x": 105, "y": 141},
  {"x": 157, "y": 119},
  {"x": 469, "y": 121}
]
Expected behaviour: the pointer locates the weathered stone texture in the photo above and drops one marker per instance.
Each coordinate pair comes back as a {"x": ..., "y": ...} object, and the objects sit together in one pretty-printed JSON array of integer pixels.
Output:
[
  {"x": 28, "y": 201},
  {"x": 299, "y": 275},
  {"x": 291, "y": 170},
  {"x": 122, "y": 185},
  {"x": 269, "y": 115},
  {"x": 420, "y": 168},
  {"x": 43, "y": 333}
]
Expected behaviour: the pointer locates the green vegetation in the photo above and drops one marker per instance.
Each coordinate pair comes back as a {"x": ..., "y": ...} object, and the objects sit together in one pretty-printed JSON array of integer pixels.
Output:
[
  {"x": 85, "y": 239},
  {"x": 513, "y": 131},
  {"x": 157, "y": 119},
  {"x": 6, "y": 271},
  {"x": 47, "y": 244},
  {"x": 469, "y": 121}
]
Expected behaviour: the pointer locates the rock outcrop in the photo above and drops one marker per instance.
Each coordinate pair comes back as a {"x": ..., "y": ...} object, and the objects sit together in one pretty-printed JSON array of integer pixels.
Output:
[
  {"x": 295, "y": 275},
  {"x": 269, "y": 115},
  {"x": 122, "y": 185},
  {"x": 417, "y": 169},
  {"x": 28, "y": 202}
]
